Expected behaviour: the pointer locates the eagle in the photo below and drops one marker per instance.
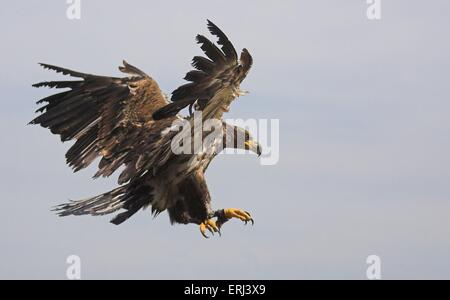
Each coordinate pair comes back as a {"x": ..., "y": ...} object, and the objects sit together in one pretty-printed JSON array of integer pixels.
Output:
[{"x": 129, "y": 124}]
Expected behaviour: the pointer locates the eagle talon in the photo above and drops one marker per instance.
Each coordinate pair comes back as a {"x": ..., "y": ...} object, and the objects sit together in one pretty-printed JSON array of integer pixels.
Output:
[
  {"x": 203, "y": 230},
  {"x": 251, "y": 221},
  {"x": 211, "y": 226},
  {"x": 238, "y": 214}
]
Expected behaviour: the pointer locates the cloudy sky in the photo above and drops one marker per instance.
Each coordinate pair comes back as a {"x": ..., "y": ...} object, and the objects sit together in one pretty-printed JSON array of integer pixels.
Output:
[{"x": 364, "y": 161}]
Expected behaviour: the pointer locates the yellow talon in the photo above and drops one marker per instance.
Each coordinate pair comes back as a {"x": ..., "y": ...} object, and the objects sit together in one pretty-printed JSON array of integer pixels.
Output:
[
  {"x": 228, "y": 213},
  {"x": 239, "y": 214},
  {"x": 209, "y": 225}
]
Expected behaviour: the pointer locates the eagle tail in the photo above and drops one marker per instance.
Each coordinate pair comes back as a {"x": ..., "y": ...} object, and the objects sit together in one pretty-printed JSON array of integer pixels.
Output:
[
  {"x": 103, "y": 204},
  {"x": 122, "y": 217}
]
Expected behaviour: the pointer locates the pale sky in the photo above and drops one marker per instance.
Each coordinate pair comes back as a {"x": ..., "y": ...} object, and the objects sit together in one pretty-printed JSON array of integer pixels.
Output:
[{"x": 364, "y": 161}]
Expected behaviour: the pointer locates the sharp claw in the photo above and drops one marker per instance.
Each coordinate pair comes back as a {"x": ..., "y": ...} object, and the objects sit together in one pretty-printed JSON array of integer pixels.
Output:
[
  {"x": 251, "y": 219},
  {"x": 211, "y": 226},
  {"x": 203, "y": 230},
  {"x": 210, "y": 230},
  {"x": 204, "y": 234}
]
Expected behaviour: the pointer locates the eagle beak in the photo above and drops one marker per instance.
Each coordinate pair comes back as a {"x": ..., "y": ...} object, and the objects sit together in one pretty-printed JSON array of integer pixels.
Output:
[{"x": 254, "y": 147}]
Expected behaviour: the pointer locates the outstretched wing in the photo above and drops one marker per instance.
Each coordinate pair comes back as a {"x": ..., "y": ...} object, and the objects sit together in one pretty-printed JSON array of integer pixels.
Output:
[
  {"x": 220, "y": 70},
  {"x": 107, "y": 116}
]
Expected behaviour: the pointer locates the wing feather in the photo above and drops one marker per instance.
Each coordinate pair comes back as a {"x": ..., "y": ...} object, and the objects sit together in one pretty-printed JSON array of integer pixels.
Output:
[
  {"x": 109, "y": 117},
  {"x": 211, "y": 50},
  {"x": 219, "y": 70},
  {"x": 227, "y": 46}
]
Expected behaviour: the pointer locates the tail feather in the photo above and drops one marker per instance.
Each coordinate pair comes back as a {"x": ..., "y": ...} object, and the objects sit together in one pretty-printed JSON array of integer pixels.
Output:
[
  {"x": 99, "y": 205},
  {"x": 122, "y": 217},
  {"x": 131, "y": 197}
]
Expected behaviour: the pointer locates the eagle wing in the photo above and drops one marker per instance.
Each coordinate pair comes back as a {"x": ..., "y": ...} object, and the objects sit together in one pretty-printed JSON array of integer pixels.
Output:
[
  {"x": 220, "y": 71},
  {"x": 108, "y": 117}
]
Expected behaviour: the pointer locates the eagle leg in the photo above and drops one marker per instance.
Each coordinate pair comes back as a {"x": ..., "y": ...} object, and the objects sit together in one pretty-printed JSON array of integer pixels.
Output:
[{"x": 224, "y": 215}]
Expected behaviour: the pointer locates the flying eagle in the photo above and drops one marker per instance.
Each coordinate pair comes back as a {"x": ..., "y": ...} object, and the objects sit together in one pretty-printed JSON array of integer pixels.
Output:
[{"x": 128, "y": 122}]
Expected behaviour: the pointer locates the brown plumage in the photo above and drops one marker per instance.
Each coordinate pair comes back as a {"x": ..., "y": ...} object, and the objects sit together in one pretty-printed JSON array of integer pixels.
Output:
[
  {"x": 126, "y": 122},
  {"x": 220, "y": 70}
]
